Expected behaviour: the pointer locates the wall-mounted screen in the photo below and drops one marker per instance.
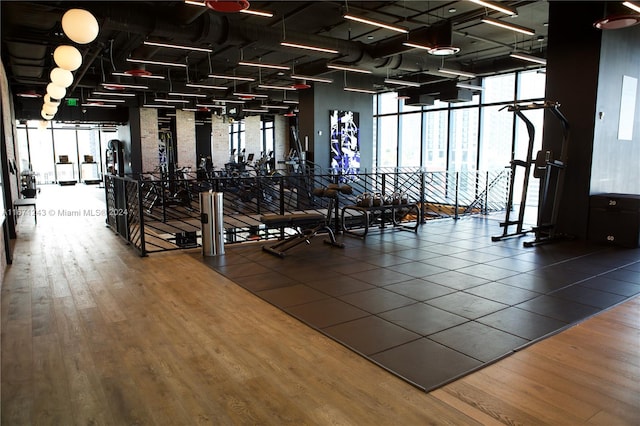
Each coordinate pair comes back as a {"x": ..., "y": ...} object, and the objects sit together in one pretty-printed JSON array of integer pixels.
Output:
[{"x": 345, "y": 142}]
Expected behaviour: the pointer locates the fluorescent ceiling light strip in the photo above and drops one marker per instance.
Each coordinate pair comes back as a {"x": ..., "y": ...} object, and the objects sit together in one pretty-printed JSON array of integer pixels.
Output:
[
  {"x": 158, "y": 106},
  {"x": 126, "y": 86},
  {"x": 190, "y": 109},
  {"x": 529, "y": 58},
  {"x": 495, "y": 6},
  {"x": 287, "y": 101},
  {"x": 307, "y": 47},
  {"x": 130, "y": 95},
  {"x": 231, "y": 77},
  {"x": 375, "y": 23},
  {"x": 632, "y": 6},
  {"x": 177, "y": 46},
  {"x": 124, "y": 74},
  {"x": 512, "y": 27},
  {"x": 228, "y": 101},
  {"x": 355, "y": 89},
  {"x": 275, "y": 106},
  {"x": 267, "y": 86},
  {"x": 105, "y": 100},
  {"x": 262, "y": 65},
  {"x": 209, "y": 106},
  {"x": 255, "y": 110},
  {"x": 415, "y": 45},
  {"x": 98, "y": 105},
  {"x": 346, "y": 68},
  {"x": 195, "y": 3},
  {"x": 456, "y": 72},
  {"x": 172, "y": 101},
  {"x": 253, "y": 95},
  {"x": 206, "y": 86},
  {"x": 146, "y": 61},
  {"x": 262, "y": 13},
  {"x": 195, "y": 95},
  {"x": 402, "y": 82},
  {"x": 309, "y": 78},
  {"x": 469, "y": 86}
]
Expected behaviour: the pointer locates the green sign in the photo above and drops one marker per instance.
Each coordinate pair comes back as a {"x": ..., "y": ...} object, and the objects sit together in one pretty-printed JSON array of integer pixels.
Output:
[{"x": 72, "y": 101}]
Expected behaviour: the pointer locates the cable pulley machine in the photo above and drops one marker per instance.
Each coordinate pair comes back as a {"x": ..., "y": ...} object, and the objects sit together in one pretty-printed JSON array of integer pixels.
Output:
[{"x": 546, "y": 167}]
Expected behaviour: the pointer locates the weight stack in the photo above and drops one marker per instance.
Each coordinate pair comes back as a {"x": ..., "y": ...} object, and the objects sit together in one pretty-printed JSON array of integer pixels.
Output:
[{"x": 615, "y": 219}]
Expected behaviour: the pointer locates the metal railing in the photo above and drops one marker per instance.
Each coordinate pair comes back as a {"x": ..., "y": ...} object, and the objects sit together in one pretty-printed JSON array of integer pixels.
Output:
[{"x": 157, "y": 214}]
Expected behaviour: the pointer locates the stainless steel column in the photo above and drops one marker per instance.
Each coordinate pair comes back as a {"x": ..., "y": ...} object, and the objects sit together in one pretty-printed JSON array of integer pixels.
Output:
[{"x": 212, "y": 219}]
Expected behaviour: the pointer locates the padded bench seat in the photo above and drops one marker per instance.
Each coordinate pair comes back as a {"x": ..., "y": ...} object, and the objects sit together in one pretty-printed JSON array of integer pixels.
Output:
[{"x": 291, "y": 220}]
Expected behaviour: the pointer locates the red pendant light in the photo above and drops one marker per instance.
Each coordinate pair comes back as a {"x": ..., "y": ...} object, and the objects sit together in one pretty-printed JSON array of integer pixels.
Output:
[
  {"x": 227, "y": 6},
  {"x": 113, "y": 86},
  {"x": 301, "y": 86},
  {"x": 137, "y": 72}
]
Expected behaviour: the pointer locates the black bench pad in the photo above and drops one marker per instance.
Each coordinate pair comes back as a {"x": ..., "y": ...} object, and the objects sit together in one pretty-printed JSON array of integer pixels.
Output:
[{"x": 293, "y": 220}]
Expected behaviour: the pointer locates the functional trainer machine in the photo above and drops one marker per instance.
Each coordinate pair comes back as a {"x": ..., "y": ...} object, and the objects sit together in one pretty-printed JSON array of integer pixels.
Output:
[
  {"x": 546, "y": 167},
  {"x": 306, "y": 225}
]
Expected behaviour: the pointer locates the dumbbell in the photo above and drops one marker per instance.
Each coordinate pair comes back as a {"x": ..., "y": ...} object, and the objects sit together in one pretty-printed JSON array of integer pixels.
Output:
[{"x": 332, "y": 190}]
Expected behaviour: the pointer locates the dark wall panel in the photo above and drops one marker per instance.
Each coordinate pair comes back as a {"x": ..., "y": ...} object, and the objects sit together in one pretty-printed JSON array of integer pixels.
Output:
[
  {"x": 316, "y": 125},
  {"x": 573, "y": 59}
]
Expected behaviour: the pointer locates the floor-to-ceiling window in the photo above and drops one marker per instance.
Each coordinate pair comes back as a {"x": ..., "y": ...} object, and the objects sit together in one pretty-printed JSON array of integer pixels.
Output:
[
  {"x": 436, "y": 129},
  {"x": 387, "y": 142},
  {"x": 479, "y": 134},
  {"x": 42, "y": 144},
  {"x": 267, "y": 136},
  {"x": 236, "y": 139}
]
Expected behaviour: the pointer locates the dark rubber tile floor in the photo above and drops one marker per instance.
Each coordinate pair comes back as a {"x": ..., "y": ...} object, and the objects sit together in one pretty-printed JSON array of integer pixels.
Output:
[{"x": 435, "y": 305}]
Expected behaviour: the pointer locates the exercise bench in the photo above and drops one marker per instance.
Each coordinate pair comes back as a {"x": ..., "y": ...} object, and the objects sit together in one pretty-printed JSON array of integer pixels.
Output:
[
  {"x": 27, "y": 202},
  {"x": 308, "y": 225}
]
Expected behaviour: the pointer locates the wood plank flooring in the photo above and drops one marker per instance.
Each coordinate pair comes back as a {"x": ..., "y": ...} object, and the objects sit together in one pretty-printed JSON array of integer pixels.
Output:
[{"x": 93, "y": 334}]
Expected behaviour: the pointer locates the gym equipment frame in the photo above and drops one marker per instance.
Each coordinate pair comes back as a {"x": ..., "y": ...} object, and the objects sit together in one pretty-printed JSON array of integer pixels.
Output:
[
  {"x": 307, "y": 225},
  {"x": 546, "y": 168}
]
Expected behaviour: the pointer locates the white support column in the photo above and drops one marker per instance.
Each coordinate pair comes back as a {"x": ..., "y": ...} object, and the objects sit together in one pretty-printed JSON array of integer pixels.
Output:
[
  {"x": 252, "y": 136},
  {"x": 219, "y": 142},
  {"x": 281, "y": 142},
  {"x": 149, "y": 139},
  {"x": 186, "y": 139}
]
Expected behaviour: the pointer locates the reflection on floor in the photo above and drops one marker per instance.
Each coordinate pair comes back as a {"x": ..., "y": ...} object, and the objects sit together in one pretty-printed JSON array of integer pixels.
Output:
[{"x": 436, "y": 305}]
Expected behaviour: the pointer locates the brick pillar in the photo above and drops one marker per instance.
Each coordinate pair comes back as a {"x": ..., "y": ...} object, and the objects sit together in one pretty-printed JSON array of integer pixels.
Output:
[
  {"x": 186, "y": 139},
  {"x": 252, "y": 136},
  {"x": 149, "y": 139},
  {"x": 281, "y": 142},
  {"x": 219, "y": 142}
]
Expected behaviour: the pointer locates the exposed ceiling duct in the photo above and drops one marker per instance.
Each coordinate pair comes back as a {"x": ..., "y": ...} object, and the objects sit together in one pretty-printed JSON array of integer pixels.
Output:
[{"x": 32, "y": 30}]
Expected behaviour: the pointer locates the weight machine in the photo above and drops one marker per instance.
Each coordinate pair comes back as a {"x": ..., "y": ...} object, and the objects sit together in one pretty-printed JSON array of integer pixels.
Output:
[{"x": 546, "y": 167}]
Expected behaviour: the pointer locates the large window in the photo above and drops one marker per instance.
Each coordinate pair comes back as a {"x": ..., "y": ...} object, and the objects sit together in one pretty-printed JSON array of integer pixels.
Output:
[
  {"x": 267, "y": 136},
  {"x": 463, "y": 145},
  {"x": 41, "y": 143},
  {"x": 236, "y": 137},
  {"x": 41, "y": 150},
  {"x": 388, "y": 141},
  {"x": 436, "y": 138},
  {"x": 479, "y": 134},
  {"x": 410, "y": 140}
]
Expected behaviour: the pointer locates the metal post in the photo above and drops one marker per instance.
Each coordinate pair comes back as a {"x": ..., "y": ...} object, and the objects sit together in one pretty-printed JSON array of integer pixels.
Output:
[
  {"x": 212, "y": 219},
  {"x": 457, "y": 189}
]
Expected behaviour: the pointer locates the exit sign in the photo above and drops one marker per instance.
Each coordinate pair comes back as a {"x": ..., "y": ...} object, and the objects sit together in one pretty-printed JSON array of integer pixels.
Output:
[{"x": 72, "y": 102}]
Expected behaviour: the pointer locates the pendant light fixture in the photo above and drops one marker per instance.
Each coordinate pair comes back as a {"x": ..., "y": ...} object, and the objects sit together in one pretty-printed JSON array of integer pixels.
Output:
[
  {"x": 227, "y": 6},
  {"x": 80, "y": 26},
  {"x": 617, "y": 16},
  {"x": 67, "y": 57}
]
